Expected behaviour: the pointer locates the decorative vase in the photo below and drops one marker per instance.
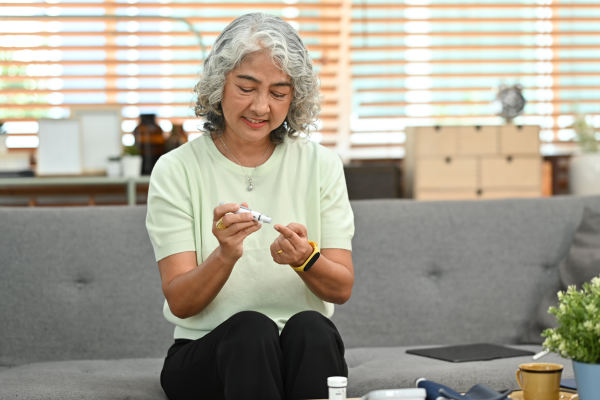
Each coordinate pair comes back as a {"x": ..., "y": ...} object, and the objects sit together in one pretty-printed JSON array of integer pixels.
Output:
[
  {"x": 176, "y": 139},
  {"x": 3, "y": 148},
  {"x": 150, "y": 141},
  {"x": 587, "y": 377},
  {"x": 584, "y": 174},
  {"x": 131, "y": 166},
  {"x": 113, "y": 168}
]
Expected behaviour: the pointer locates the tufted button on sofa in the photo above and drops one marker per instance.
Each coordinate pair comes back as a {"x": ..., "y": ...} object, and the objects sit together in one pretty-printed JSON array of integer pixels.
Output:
[{"x": 81, "y": 302}]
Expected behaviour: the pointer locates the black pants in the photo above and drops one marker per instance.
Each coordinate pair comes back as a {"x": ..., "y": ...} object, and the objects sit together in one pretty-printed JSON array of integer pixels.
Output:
[{"x": 246, "y": 358}]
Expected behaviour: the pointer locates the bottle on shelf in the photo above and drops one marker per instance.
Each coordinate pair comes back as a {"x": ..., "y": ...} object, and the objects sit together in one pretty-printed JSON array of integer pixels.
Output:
[
  {"x": 176, "y": 139},
  {"x": 150, "y": 141}
]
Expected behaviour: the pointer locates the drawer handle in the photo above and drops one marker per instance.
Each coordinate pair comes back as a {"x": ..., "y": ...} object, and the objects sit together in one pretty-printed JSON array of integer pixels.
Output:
[
  {"x": 479, "y": 192},
  {"x": 448, "y": 160},
  {"x": 509, "y": 159}
]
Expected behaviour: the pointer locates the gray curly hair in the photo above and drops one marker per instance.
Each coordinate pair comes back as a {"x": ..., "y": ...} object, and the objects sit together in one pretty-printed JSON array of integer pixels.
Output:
[{"x": 248, "y": 34}]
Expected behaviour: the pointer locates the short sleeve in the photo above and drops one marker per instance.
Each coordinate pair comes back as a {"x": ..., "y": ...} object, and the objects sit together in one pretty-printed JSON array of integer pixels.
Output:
[
  {"x": 337, "y": 219},
  {"x": 169, "y": 219}
]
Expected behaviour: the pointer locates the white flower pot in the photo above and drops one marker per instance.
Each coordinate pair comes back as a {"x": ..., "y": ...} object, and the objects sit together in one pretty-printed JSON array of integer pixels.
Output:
[
  {"x": 131, "y": 166},
  {"x": 113, "y": 168},
  {"x": 3, "y": 148},
  {"x": 584, "y": 174}
]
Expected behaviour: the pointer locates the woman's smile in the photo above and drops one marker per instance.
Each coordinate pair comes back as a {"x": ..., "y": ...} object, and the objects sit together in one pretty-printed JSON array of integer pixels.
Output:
[{"x": 255, "y": 123}]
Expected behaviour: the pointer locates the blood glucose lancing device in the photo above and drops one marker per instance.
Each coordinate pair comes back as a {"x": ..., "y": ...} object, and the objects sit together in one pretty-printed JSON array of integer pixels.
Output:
[{"x": 255, "y": 214}]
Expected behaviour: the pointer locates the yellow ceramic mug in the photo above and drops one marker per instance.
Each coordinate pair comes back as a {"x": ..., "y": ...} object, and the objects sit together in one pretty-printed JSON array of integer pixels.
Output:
[{"x": 540, "y": 381}]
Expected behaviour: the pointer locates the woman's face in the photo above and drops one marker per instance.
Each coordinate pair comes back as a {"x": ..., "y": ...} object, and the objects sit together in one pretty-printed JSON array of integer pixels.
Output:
[{"x": 256, "y": 98}]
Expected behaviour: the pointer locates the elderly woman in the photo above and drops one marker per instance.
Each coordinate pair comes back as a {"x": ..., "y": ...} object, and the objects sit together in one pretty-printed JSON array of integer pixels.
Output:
[{"x": 251, "y": 302}]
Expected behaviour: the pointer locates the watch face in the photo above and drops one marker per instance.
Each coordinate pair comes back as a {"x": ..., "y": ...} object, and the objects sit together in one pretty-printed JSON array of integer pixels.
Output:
[{"x": 312, "y": 261}]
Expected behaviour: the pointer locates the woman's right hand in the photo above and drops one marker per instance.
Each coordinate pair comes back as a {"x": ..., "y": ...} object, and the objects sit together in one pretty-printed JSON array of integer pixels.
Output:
[{"x": 239, "y": 226}]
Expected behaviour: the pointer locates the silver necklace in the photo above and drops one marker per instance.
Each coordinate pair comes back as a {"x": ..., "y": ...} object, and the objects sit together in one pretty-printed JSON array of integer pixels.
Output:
[{"x": 250, "y": 187}]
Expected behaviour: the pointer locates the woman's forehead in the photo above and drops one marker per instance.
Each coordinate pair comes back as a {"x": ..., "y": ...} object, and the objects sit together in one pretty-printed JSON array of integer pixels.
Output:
[{"x": 262, "y": 68}]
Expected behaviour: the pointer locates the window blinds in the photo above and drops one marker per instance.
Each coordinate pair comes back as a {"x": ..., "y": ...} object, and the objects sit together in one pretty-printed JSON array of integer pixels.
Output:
[
  {"x": 435, "y": 62},
  {"x": 383, "y": 64},
  {"x": 141, "y": 56}
]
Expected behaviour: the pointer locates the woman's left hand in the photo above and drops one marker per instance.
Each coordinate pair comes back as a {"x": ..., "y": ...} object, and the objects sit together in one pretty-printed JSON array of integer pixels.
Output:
[{"x": 293, "y": 240}]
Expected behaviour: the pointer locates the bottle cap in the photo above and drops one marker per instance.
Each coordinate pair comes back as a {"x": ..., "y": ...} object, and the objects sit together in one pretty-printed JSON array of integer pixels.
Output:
[{"x": 337, "y": 381}]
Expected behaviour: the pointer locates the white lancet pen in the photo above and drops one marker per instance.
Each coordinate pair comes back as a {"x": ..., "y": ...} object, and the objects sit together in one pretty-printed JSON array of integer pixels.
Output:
[
  {"x": 255, "y": 214},
  {"x": 540, "y": 354}
]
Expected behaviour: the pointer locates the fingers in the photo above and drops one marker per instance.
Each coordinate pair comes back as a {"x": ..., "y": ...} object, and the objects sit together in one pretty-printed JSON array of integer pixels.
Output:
[
  {"x": 290, "y": 235},
  {"x": 240, "y": 226},
  {"x": 285, "y": 245},
  {"x": 232, "y": 219},
  {"x": 282, "y": 243},
  {"x": 221, "y": 210},
  {"x": 299, "y": 229},
  {"x": 246, "y": 231}
]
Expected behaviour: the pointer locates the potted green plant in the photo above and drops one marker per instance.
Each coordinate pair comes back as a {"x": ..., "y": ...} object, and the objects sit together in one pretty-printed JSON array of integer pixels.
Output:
[
  {"x": 584, "y": 168},
  {"x": 131, "y": 162},
  {"x": 578, "y": 335}
]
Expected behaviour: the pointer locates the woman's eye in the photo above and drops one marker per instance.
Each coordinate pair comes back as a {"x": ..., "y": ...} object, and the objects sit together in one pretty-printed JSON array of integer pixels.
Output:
[
  {"x": 279, "y": 96},
  {"x": 245, "y": 90}
]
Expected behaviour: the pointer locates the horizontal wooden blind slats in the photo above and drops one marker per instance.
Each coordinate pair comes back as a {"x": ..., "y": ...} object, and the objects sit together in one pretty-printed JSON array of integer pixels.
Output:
[
  {"x": 439, "y": 61},
  {"x": 43, "y": 45},
  {"x": 409, "y": 64}
]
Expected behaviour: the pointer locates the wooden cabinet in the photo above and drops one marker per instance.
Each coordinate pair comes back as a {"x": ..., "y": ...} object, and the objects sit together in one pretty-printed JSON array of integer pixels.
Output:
[
  {"x": 468, "y": 162},
  {"x": 519, "y": 140},
  {"x": 511, "y": 172},
  {"x": 447, "y": 173},
  {"x": 432, "y": 142},
  {"x": 478, "y": 141}
]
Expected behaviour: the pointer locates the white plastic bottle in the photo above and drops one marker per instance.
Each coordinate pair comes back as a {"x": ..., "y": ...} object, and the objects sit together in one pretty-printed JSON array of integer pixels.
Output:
[{"x": 337, "y": 387}]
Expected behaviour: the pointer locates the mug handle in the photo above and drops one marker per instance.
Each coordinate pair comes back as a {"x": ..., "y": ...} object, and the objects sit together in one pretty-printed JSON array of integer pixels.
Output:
[{"x": 520, "y": 380}]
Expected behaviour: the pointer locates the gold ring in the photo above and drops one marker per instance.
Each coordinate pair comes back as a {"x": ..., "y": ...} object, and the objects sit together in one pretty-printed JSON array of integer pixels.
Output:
[
  {"x": 220, "y": 225},
  {"x": 280, "y": 251}
]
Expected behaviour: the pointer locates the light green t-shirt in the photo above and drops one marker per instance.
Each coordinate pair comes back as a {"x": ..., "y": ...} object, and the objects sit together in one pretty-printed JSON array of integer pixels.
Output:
[{"x": 301, "y": 182}]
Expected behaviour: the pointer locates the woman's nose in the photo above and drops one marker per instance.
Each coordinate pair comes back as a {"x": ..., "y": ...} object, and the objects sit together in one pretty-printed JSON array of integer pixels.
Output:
[{"x": 260, "y": 105}]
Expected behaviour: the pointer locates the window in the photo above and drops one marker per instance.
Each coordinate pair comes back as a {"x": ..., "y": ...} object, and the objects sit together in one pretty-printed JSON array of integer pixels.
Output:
[
  {"x": 383, "y": 64},
  {"x": 435, "y": 62}
]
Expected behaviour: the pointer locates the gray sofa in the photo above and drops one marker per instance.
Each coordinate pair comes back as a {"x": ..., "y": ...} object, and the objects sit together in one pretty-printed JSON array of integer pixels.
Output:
[{"x": 81, "y": 303}]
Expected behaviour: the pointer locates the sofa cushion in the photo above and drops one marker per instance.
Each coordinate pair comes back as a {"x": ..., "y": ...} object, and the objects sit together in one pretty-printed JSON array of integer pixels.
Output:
[
  {"x": 369, "y": 368},
  {"x": 580, "y": 266},
  {"x": 391, "y": 368},
  {"x": 454, "y": 272},
  {"x": 79, "y": 283},
  {"x": 130, "y": 379}
]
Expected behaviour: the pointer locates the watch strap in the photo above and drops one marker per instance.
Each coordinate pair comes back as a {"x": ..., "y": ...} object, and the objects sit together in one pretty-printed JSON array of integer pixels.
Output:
[{"x": 311, "y": 260}]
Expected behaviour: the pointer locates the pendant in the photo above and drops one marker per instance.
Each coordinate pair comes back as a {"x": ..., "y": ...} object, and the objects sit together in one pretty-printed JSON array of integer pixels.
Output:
[{"x": 250, "y": 187}]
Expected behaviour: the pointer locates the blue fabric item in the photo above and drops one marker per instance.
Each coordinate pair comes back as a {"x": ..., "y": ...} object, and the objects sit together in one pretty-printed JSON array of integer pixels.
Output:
[
  {"x": 568, "y": 383},
  {"x": 435, "y": 391}
]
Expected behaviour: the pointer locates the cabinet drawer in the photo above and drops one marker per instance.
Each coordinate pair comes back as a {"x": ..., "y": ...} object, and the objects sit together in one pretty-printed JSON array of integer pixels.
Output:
[
  {"x": 446, "y": 195},
  {"x": 430, "y": 141},
  {"x": 515, "y": 140},
  {"x": 475, "y": 142},
  {"x": 511, "y": 172},
  {"x": 510, "y": 193},
  {"x": 446, "y": 173}
]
